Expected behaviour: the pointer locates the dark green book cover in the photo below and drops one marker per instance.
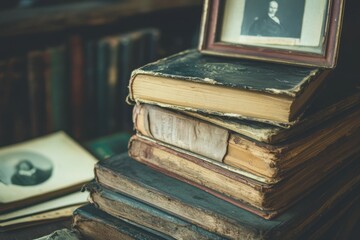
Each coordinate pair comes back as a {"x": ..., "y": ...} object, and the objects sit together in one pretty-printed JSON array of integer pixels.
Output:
[
  {"x": 90, "y": 52},
  {"x": 216, "y": 215},
  {"x": 125, "y": 207},
  {"x": 282, "y": 88},
  {"x": 59, "y": 96},
  {"x": 96, "y": 224},
  {"x": 107, "y": 146},
  {"x": 102, "y": 111}
]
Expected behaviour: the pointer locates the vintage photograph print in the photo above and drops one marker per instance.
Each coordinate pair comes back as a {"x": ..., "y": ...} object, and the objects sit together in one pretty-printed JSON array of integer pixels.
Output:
[
  {"x": 42, "y": 168},
  {"x": 302, "y": 32}
]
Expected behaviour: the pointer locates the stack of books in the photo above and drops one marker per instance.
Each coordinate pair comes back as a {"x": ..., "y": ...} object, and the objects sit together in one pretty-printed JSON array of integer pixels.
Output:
[{"x": 231, "y": 148}]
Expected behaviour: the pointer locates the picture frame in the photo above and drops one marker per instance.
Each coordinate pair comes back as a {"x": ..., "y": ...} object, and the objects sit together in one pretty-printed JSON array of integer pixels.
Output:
[{"x": 297, "y": 32}]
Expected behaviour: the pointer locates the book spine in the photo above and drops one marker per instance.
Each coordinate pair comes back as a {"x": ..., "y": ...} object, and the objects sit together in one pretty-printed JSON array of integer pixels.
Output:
[
  {"x": 77, "y": 85},
  {"x": 102, "y": 110},
  {"x": 60, "y": 108},
  {"x": 48, "y": 91},
  {"x": 36, "y": 92},
  {"x": 90, "y": 87},
  {"x": 209, "y": 177},
  {"x": 18, "y": 108},
  {"x": 93, "y": 223},
  {"x": 209, "y": 220},
  {"x": 181, "y": 131},
  {"x": 5, "y": 94},
  {"x": 142, "y": 214},
  {"x": 112, "y": 83}
]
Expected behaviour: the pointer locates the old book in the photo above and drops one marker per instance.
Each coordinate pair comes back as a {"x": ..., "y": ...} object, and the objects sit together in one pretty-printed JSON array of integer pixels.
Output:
[
  {"x": 142, "y": 214},
  {"x": 265, "y": 199},
  {"x": 41, "y": 169},
  {"x": 266, "y": 92},
  {"x": 90, "y": 53},
  {"x": 5, "y": 99},
  {"x": 124, "y": 175},
  {"x": 107, "y": 146},
  {"x": 335, "y": 98},
  {"x": 36, "y": 83},
  {"x": 50, "y": 210},
  {"x": 56, "y": 89},
  {"x": 77, "y": 85},
  {"x": 93, "y": 223},
  {"x": 271, "y": 161},
  {"x": 18, "y": 106}
]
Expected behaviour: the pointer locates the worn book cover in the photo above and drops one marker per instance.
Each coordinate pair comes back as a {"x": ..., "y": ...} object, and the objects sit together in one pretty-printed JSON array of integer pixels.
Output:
[
  {"x": 267, "y": 199},
  {"x": 273, "y": 161},
  {"x": 267, "y": 92},
  {"x": 41, "y": 169},
  {"x": 335, "y": 98},
  {"x": 144, "y": 215},
  {"x": 51, "y": 210},
  {"x": 124, "y": 175},
  {"x": 93, "y": 223}
]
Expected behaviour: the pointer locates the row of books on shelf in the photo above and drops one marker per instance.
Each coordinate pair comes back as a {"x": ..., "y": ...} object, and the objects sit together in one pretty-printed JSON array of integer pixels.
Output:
[
  {"x": 200, "y": 168},
  {"x": 61, "y": 87}
]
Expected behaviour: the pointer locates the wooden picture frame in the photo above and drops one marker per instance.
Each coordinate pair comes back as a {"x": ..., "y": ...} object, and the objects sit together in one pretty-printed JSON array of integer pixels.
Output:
[{"x": 306, "y": 33}]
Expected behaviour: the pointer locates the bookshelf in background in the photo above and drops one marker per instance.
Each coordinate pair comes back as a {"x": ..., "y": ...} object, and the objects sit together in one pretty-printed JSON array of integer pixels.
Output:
[{"x": 66, "y": 66}]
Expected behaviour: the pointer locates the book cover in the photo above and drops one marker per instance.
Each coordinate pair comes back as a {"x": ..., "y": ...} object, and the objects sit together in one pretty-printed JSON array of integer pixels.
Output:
[
  {"x": 266, "y": 92},
  {"x": 107, "y": 146},
  {"x": 272, "y": 161},
  {"x": 266, "y": 199},
  {"x": 142, "y": 214},
  {"x": 90, "y": 52},
  {"x": 36, "y": 83},
  {"x": 93, "y": 223},
  {"x": 77, "y": 85},
  {"x": 335, "y": 98},
  {"x": 42, "y": 169},
  {"x": 102, "y": 65},
  {"x": 57, "y": 112},
  {"x": 41, "y": 212},
  {"x": 59, "y": 86},
  {"x": 124, "y": 175}
]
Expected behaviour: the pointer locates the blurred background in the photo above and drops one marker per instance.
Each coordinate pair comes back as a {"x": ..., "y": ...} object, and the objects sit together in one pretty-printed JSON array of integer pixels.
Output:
[{"x": 65, "y": 65}]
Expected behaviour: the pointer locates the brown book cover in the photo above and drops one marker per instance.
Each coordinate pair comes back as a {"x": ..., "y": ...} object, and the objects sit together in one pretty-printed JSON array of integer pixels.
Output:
[
  {"x": 36, "y": 83},
  {"x": 122, "y": 181},
  {"x": 232, "y": 185},
  {"x": 77, "y": 86},
  {"x": 270, "y": 162}
]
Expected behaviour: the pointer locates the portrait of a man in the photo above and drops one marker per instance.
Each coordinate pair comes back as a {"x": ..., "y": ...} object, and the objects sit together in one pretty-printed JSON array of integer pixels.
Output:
[
  {"x": 26, "y": 174},
  {"x": 24, "y": 168},
  {"x": 268, "y": 25},
  {"x": 273, "y": 18}
]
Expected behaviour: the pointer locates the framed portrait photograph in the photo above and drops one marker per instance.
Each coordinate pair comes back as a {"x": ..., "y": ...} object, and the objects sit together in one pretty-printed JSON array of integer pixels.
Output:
[{"x": 300, "y": 32}]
